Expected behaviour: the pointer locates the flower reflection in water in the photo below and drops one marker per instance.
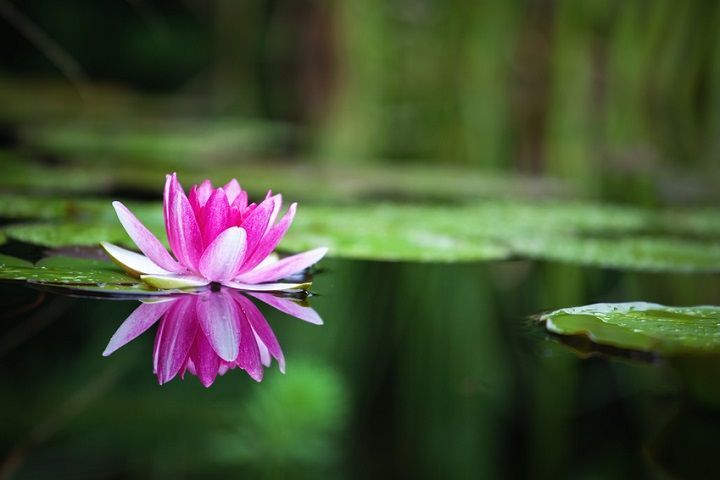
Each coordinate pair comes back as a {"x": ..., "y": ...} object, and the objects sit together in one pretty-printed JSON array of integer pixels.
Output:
[{"x": 209, "y": 333}]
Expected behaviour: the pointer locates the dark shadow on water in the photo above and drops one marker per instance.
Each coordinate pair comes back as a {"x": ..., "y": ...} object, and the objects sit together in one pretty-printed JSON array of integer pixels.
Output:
[{"x": 421, "y": 370}]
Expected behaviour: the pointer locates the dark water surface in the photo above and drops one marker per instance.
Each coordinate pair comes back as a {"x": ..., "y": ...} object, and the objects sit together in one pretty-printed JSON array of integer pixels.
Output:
[{"x": 420, "y": 371}]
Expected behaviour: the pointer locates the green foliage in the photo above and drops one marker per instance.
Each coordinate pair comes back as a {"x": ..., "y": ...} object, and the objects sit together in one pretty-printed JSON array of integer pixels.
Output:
[
  {"x": 66, "y": 234},
  {"x": 578, "y": 233},
  {"x": 631, "y": 252},
  {"x": 642, "y": 326},
  {"x": 394, "y": 232},
  {"x": 92, "y": 276},
  {"x": 307, "y": 182},
  {"x": 164, "y": 142}
]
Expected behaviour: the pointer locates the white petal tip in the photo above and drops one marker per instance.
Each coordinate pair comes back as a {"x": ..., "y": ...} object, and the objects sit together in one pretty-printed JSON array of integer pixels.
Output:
[
  {"x": 132, "y": 262},
  {"x": 168, "y": 282},
  {"x": 267, "y": 287}
]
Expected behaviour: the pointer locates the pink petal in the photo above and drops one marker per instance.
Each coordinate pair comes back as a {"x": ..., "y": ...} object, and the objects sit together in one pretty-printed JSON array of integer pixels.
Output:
[
  {"x": 156, "y": 347},
  {"x": 265, "y": 357},
  {"x": 205, "y": 361},
  {"x": 248, "y": 210},
  {"x": 238, "y": 208},
  {"x": 249, "y": 355},
  {"x": 232, "y": 190},
  {"x": 177, "y": 335},
  {"x": 223, "y": 257},
  {"x": 216, "y": 216},
  {"x": 195, "y": 203},
  {"x": 256, "y": 223},
  {"x": 132, "y": 262},
  {"x": 266, "y": 287},
  {"x": 145, "y": 240},
  {"x": 270, "y": 241},
  {"x": 269, "y": 260},
  {"x": 283, "y": 268},
  {"x": 275, "y": 211},
  {"x": 218, "y": 317},
  {"x": 290, "y": 306},
  {"x": 224, "y": 367},
  {"x": 139, "y": 320},
  {"x": 182, "y": 227},
  {"x": 204, "y": 190},
  {"x": 189, "y": 365},
  {"x": 261, "y": 328}
]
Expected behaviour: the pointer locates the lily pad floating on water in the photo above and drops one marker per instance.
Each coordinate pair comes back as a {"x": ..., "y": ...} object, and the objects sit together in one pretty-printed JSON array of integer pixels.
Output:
[
  {"x": 92, "y": 276},
  {"x": 631, "y": 252},
  {"x": 584, "y": 234},
  {"x": 642, "y": 326}
]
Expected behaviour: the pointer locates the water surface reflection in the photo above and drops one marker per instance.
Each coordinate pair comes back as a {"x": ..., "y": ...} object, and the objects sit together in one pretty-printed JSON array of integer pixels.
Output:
[{"x": 210, "y": 333}]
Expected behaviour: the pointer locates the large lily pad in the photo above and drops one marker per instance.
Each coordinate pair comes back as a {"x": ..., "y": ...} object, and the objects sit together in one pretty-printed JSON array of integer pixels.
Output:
[
  {"x": 94, "y": 276},
  {"x": 631, "y": 252},
  {"x": 578, "y": 233},
  {"x": 384, "y": 232},
  {"x": 370, "y": 238},
  {"x": 642, "y": 326},
  {"x": 67, "y": 234}
]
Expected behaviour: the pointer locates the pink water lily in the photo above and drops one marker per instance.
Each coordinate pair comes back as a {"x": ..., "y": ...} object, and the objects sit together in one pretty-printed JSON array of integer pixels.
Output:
[
  {"x": 215, "y": 236},
  {"x": 210, "y": 333}
]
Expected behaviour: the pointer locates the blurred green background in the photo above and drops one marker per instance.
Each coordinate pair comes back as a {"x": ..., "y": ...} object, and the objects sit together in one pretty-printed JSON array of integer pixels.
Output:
[
  {"x": 422, "y": 370},
  {"x": 622, "y": 98}
]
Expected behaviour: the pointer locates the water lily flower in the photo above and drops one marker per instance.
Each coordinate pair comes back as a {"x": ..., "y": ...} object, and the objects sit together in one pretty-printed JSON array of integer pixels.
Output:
[
  {"x": 210, "y": 333},
  {"x": 216, "y": 237}
]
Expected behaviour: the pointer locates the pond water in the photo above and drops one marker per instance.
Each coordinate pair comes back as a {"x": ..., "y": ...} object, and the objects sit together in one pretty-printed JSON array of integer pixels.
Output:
[{"x": 419, "y": 371}]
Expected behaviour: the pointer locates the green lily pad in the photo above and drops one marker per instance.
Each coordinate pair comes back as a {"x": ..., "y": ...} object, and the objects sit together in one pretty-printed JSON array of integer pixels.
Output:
[
  {"x": 642, "y": 326},
  {"x": 393, "y": 232},
  {"x": 585, "y": 234},
  {"x": 635, "y": 253},
  {"x": 700, "y": 222},
  {"x": 66, "y": 234},
  {"x": 80, "y": 275},
  {"x": 8, "y": 262},
  {"x": 93, "y": 221},
  {"x": 63, "y": 270}
]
